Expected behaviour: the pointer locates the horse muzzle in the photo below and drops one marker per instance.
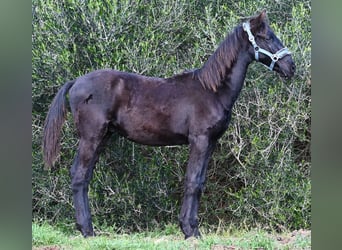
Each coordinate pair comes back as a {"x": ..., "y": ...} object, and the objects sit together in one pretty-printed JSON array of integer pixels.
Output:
[{"x": 286, "y": 67}]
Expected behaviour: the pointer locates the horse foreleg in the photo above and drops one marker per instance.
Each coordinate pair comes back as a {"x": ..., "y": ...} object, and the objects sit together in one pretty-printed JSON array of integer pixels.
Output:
[{"x": 200, "y": 152}]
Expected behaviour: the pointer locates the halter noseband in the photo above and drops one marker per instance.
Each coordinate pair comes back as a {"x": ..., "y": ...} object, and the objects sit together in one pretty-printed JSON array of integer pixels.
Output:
[{"x": 274, "y": 57}]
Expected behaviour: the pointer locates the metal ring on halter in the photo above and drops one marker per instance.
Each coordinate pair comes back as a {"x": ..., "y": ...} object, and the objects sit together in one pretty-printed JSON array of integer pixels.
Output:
[{"x": 256, "y": 52}]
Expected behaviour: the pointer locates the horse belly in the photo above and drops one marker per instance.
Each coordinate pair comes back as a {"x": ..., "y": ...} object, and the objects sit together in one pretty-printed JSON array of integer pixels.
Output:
[
  {"x": 161, "y": 138},
  {"x": 154, "y": 130}
]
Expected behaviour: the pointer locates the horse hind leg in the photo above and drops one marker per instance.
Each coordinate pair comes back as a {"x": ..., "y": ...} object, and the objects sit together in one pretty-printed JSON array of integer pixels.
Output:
[
  {"x": 93, "y": 136},
  {"x": 81, "y": 172}
]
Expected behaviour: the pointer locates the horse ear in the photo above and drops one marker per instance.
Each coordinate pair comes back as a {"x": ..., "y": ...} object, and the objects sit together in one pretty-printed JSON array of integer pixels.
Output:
[
  {"x": 258, "y": 22},
  {"x": 263, "y": 15}
]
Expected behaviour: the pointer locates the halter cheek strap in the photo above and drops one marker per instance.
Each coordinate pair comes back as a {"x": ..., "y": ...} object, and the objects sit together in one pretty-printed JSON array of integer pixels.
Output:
[{"x": 274, "y": 57}]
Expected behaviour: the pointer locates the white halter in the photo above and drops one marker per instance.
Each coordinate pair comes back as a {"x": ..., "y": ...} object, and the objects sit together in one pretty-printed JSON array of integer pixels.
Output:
[{"x": 274, "y": 57}]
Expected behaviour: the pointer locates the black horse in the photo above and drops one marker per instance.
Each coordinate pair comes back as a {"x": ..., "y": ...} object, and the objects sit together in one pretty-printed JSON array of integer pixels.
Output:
[{"x": 192, "y": 108}]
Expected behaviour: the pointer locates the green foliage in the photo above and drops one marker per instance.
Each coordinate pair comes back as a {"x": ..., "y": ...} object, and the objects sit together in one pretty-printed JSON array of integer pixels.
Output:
[{"x": 260, "y": 171}]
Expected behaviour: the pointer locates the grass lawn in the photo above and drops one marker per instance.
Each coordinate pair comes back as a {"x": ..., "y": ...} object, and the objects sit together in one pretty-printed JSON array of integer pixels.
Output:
[{"x": 46, "y": 237}]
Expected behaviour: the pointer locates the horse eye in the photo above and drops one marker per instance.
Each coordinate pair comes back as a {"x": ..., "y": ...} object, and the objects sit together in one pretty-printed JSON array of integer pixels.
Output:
[{"x": 265, "y": 37}]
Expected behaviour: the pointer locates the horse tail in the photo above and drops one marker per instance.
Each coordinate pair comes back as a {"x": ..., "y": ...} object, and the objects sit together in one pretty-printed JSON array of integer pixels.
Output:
[{"x": 53, "y": 125}]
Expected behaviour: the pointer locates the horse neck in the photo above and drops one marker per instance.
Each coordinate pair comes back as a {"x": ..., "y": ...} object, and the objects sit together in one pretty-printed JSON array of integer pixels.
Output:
[
  {"x": 232, "y": 82},
  {"x": 226, "y": 68}
]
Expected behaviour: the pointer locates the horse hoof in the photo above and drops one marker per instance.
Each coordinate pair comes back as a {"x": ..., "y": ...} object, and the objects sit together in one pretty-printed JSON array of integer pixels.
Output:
[{"x": 88, "y": 234}]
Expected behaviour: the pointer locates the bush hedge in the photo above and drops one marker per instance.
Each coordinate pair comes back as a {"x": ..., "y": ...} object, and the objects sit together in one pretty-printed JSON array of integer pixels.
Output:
[{"x": 260, "y": 171}]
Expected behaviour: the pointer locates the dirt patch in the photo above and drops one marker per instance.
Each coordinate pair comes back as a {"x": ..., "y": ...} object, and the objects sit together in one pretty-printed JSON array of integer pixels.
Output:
[
  {"x": 48, "y": 248},
  {"x": 222, "y": 247},
  {"x": 293, "y": 236},
  {"x": 281, "y": 241}
]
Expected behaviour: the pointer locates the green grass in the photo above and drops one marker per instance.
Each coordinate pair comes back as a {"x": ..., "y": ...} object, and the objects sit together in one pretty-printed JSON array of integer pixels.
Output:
[{"x": 45, "y": 237}]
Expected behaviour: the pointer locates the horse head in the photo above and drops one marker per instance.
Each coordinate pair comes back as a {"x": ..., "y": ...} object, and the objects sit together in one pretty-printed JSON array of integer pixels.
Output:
[{"x": 267, "y": 48}]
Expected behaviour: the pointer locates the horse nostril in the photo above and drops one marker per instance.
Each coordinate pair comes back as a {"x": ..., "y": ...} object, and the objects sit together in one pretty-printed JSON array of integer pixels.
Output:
[{"x": 293, "y": 67}]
